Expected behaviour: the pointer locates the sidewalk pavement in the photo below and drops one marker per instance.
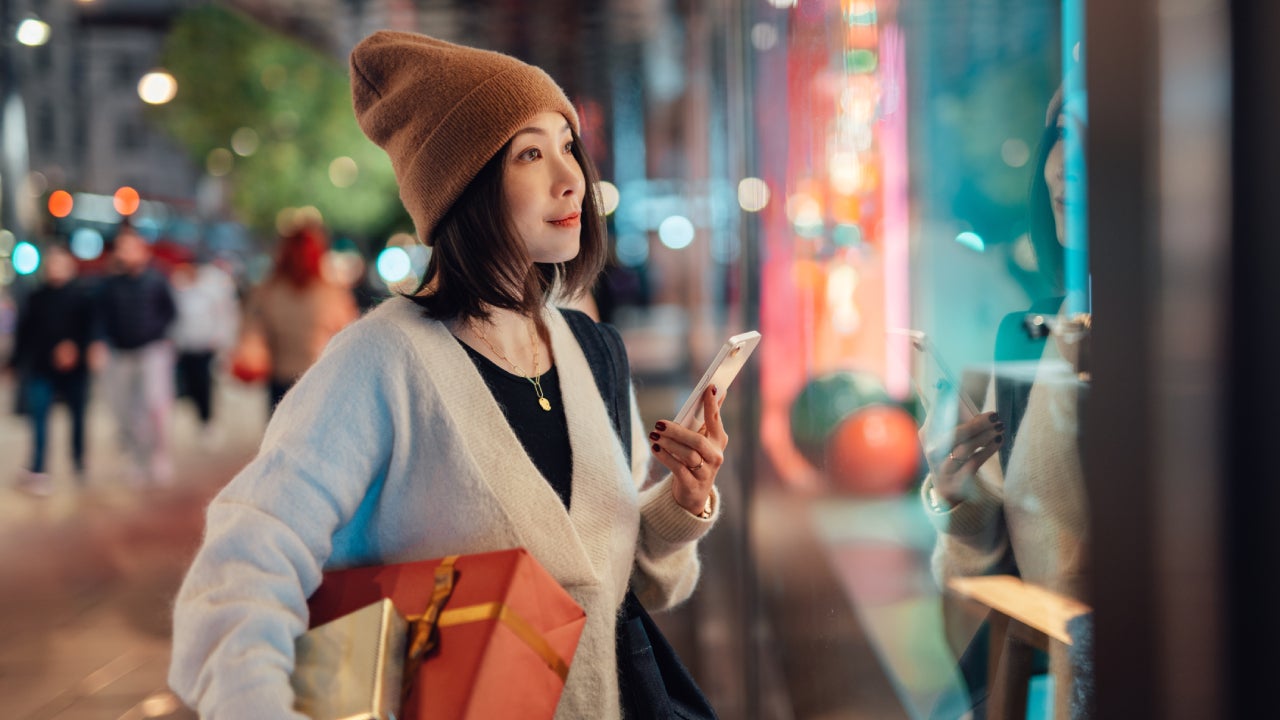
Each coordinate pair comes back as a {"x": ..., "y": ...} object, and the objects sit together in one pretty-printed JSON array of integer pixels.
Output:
[{"x": 90, "y": 572}]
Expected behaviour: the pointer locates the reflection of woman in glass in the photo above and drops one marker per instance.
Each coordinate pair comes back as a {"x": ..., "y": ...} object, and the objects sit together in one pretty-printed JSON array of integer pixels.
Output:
[{"x": 1024, "y": 514}]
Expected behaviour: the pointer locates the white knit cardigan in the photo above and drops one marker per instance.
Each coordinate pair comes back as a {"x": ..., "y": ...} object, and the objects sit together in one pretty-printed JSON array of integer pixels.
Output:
[{"x": 390, "y": 449}]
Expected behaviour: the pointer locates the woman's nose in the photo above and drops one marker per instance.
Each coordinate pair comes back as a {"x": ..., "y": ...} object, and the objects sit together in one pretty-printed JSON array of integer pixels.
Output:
[{"x": 569, "y": 180}]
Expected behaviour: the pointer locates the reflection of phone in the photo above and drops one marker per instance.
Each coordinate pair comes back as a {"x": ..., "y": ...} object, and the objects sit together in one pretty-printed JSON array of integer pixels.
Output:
[
  {"x": 925, "y": 347},
  {"x": 732, "y": 356}
]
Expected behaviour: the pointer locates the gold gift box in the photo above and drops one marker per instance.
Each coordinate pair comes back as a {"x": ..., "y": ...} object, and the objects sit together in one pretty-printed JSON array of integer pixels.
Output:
[{"x": 351, "y": 668}]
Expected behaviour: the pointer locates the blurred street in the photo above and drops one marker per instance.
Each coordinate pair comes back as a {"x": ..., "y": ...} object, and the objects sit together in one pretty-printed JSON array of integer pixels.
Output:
[{"x": 90, "y": 573}]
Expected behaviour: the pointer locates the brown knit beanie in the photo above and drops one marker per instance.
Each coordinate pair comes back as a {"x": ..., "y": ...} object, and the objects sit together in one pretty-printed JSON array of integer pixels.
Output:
[{"x": 441, "y": 111}]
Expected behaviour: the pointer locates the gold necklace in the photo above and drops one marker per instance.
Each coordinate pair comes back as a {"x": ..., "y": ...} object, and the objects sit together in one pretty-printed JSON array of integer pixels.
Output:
[{"x": 535, "y": 380}]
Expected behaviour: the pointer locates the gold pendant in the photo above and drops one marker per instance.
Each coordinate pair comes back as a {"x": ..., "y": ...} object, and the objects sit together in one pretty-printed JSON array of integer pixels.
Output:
[{"x": 545, "y": 403}]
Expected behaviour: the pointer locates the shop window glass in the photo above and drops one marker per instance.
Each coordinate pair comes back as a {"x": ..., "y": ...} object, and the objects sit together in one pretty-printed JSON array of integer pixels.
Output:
[{"x": 925, "y": 308}]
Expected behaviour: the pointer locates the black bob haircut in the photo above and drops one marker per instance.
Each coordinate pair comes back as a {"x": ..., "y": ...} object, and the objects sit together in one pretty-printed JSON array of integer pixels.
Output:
[{"x": 479, "y": 260}]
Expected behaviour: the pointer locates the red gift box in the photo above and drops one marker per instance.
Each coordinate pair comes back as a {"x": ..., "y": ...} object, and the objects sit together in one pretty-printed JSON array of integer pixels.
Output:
[{"x": 506, "y": 634}]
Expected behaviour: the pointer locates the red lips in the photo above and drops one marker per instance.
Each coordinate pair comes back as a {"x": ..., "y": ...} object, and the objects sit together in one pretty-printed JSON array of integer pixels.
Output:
[{"x": 568, "y": 221}]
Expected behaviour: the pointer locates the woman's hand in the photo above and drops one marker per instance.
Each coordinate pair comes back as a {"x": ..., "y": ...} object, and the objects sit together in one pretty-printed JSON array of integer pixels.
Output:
[
  {"x": 694, "y": 458},
  {"x": 973, "y": 443}
]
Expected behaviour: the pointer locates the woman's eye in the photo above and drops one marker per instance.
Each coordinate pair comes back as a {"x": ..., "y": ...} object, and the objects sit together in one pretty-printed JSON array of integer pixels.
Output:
[
  {"x": 568, "y": 147},
  {"x": 531, "y": 154}
]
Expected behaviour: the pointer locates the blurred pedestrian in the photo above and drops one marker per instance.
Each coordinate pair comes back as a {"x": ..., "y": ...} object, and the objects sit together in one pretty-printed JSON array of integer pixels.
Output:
[
  {"x": 208, "y": 320},
  {"x": 51, "y": 360},
  {"x": 135, "y": 309},
  {"x": 297, "y": 310}
]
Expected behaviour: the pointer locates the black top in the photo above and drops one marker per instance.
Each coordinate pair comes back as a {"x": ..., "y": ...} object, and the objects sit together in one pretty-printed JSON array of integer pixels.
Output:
[
  {"x": 49, "y": 316},
  {"x": 544, "y": 434},
  {"x": 135, "y": 309}
]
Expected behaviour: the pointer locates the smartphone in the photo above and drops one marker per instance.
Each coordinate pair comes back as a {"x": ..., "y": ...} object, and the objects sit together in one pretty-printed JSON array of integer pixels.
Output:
[
  {"x": 925, "y": 347},
  {"x": 723, "y": 369}
]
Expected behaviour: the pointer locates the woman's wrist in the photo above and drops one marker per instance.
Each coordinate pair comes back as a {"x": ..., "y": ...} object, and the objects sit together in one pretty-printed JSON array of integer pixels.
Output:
[{"x": 701, "y": 510}]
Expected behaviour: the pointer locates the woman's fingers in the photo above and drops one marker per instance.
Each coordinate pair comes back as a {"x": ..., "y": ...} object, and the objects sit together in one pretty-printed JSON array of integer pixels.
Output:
[
  {"x": 978, "y": 425},
  {"x": 694, "y": 458},
  {"x": 713, "y": 426},
  {"x": 953, "y": 474}
]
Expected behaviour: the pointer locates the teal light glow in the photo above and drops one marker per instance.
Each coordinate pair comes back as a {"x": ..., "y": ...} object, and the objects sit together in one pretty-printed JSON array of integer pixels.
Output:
[
  {"x": 971, "y": 241},
  {"x": 676, "y": 232},
  {"x": 26, "y": 258},
  {"x": 394, "y": 264},
  {"x": 866, "y": 17},
  {"x": 844, "y": 235},
  {"x": 86, "y": 243}
]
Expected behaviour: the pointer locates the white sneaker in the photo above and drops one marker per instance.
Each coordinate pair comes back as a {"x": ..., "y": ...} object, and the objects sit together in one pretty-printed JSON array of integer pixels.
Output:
[{"x": 37, "y": 484}]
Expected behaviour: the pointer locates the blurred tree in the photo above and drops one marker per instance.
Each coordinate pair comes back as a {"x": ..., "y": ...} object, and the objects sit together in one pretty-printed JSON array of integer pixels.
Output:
[{"x": 280, "y": 115}]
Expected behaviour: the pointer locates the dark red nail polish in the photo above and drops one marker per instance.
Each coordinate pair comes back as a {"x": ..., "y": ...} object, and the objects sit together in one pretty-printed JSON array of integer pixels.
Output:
[
  {"x": 655, "y": 436},
  {"x": 1000, "y": 426},
  {"x": 713, "y": 390},
  {"x": 661, "y": 426},
  {"x": 656, "y": 448},
  {"x": 999, "y": 438}
]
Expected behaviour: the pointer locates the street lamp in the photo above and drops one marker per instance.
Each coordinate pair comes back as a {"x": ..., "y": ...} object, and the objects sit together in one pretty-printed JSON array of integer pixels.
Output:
[{"x": 32, "y": 32}]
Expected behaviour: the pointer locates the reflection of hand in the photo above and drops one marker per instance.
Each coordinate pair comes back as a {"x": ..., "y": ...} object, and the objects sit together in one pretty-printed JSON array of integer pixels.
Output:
[
  {"x": 974, "y": 442},
  {"x": 694, "y": 458}
]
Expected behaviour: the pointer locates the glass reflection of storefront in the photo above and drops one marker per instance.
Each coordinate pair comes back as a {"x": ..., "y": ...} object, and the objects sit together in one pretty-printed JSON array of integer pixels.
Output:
[{"x": 924, "y": 298}]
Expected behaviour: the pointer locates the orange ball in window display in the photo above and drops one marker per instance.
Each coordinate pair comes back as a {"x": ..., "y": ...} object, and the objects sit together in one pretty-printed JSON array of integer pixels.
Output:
[{"x": 874, "y": 451}]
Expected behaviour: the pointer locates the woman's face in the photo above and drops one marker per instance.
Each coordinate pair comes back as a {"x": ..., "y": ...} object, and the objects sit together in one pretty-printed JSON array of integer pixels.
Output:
[
  {"x": 544, "y": 188},
  {"x": 1055, "y": 178}
]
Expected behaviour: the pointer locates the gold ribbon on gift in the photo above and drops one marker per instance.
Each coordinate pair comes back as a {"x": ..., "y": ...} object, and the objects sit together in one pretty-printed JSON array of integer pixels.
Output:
[
  {"x": 514, "y": 622},
  {"x": 423, "y": 634}
]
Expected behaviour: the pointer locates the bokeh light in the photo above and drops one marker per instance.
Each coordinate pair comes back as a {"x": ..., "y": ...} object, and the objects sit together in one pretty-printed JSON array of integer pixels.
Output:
[
  {"x": 764, "y": 36},
  {"x": 753, "y": 194},
  {"x": 608, "y": 195},
  {"x": 37, "y": 183},
  {"x": 245, "y": 141},
  {"x": 972, "y": 240},
  {"x": 26, "y": 258},
  {"x": 633, "y": 250},
  {"x": 86, "y": 243},
  {"x": 1015, "y": 153},
  {"x": 342, "y": 268},
  {"x": 343, "y": 172},
  {"x": 394, "y": 265},
  {"x": 60, "y": 203},
  {"x": 676, "y": 232},
  {"x": 126, "y": 201},
  {"x": 32, "y": 32},
  {"x": 157, "y": 87},
  {"x": 219, "y": 162},
  {"x": 274, "y": 76},
  {"x": 846, "y": 173}
]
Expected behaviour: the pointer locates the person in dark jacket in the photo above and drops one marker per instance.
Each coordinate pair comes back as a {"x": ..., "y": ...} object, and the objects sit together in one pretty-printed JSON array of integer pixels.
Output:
[
  {"x": 51, "y": 360},
  {"x": 135, "y": 308}
]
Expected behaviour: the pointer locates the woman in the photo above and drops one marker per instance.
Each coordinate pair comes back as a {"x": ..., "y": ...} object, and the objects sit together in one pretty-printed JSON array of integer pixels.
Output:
[
  {"x": 1025, "y": 513},
  {"x": 401, "y": 443},
  {"x": 297, "y": 311}
]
